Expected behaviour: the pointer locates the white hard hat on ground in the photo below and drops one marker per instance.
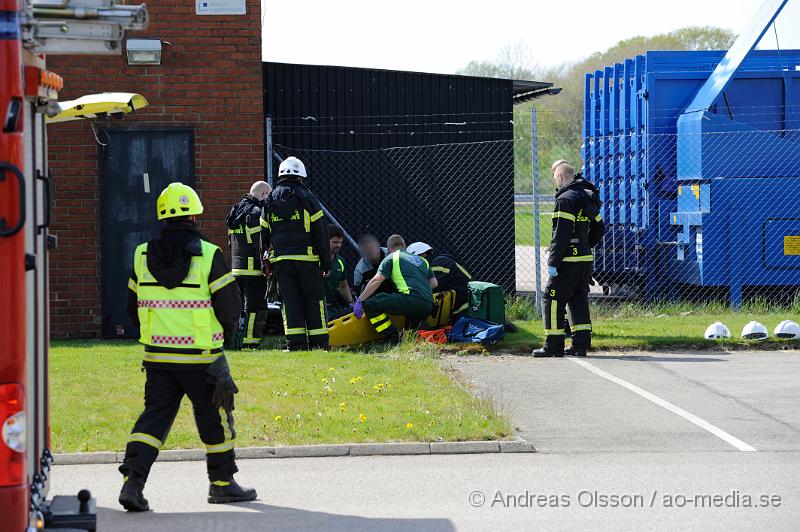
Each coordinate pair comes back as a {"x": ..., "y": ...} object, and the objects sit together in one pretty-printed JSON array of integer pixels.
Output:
[
  {"x": 755, "y": 331},
  {"x": 717, "y": 331},
  {"x": 418, "y": 248},
  {"x": 788, "y": 329},
  {"x": 292, "y": 166}
]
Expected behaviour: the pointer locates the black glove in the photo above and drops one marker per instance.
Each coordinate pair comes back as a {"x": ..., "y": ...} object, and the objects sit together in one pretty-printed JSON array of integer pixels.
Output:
[{"x": 224, "y": 388}]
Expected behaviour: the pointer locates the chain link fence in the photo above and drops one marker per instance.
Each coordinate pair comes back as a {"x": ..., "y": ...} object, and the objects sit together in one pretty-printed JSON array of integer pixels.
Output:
[
  {"x": 699, "y": 218},
  {"x": 730, "y": 234}
]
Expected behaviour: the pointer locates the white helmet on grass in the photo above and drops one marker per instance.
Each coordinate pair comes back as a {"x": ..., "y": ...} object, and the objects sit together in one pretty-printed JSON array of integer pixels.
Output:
[
  {"x": 755, "y": 331},
  {"x": 787, "y": 329},
  {"x": 717, "y": 331}
]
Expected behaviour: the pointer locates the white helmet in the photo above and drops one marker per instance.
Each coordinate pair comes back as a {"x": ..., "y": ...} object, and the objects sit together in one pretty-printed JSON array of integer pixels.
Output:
[
  {"x": 418, "y": 248},
  {"x": 292, "y": 166},
  {"x": 755, "y": 331},
  {"x": 717, "y": 331},
  {"x": 788, "y": 329}
]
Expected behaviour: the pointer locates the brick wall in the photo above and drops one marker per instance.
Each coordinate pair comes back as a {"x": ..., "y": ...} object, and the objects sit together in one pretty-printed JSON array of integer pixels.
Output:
[{"x": 210, "y": 79}]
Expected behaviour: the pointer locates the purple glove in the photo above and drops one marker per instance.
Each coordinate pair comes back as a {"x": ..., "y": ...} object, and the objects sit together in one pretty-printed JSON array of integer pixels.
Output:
[{"x": 358, "y": 308}]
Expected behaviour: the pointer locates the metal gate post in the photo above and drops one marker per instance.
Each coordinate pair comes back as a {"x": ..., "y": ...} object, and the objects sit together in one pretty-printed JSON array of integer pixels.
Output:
[{"x": 536, "y": 231}]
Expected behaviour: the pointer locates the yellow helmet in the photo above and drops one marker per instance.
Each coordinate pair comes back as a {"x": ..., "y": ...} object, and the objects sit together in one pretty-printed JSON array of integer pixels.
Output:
[{"x": 178, "y": 200}]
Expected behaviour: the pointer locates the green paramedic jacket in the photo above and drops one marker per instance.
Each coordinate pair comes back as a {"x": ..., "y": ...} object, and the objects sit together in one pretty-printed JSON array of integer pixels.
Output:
[{"x": 180, "y": 325}]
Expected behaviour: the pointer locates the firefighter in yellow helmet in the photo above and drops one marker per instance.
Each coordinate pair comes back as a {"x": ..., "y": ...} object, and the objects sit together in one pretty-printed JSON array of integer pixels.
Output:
[{"x": 185, "y": 302}]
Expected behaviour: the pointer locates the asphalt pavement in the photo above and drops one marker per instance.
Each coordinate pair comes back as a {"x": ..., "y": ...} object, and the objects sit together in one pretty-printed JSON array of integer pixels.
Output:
[{"x": 707, "y": 441}]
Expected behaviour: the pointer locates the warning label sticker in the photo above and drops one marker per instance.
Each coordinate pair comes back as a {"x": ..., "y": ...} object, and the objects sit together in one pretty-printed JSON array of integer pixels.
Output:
[{"x": 791, "y": 245}]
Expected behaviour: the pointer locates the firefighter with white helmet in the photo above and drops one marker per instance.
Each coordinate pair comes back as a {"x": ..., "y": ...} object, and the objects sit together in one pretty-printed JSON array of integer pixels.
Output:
[
  {"x": 450, "y": 275},
  {"x": 295, "y": 232},
  {"x": 185, "y": 302}
]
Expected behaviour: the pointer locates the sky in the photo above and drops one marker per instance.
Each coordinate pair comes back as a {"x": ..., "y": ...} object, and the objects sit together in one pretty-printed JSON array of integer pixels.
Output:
[{"x": 443, "y": 36}]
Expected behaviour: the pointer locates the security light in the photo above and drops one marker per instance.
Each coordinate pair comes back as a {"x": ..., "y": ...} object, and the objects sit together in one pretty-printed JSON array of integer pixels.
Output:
[{"x": 143, "y": 51}]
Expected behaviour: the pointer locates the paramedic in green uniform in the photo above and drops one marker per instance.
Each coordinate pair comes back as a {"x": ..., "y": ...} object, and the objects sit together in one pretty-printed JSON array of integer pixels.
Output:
[
  {"x": 338, "y": 298},
  {"x": 415, "y": 281}
]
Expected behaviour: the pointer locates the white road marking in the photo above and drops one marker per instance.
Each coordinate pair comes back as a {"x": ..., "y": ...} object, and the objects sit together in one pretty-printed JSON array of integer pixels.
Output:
[{"x": 703, "y": 424}]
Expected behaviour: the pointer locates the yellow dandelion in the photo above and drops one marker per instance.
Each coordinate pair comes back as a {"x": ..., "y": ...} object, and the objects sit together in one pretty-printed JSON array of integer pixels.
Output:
[
  {"x": 342, "y": 405},
  {"x": 277, "y": 418},
  {"x": 330, "y": 369},
  {"x": 353, "y": 380},
  {"x": 362, "y": 418},
  {"x": 409, "y": 426},
  {"x": 324, "y": 379}
]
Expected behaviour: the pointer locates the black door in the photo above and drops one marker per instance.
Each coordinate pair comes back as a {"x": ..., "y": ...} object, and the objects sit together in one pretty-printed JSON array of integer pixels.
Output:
[{"x": 136, "y": 166}]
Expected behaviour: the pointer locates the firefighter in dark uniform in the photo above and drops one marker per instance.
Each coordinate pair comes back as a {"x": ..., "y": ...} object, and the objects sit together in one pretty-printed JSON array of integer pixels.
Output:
[
  {"x": 577, "y": 228},
  {"x": 449, "y": 274},
  {"x": 244, "y": 238},
  {"x": 184, "y": 300},
  {"x": 295, "y": 231},
  {"x": 415, "y": 283}
]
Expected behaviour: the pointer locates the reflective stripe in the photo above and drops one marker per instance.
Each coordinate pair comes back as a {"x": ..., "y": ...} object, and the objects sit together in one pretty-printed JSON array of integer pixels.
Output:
[
  {"x": 582, "y": 327},
  {"x": 317, "y": 216},
  {"x": 317, "y": 332},
  {"x": 141, "y": 437},
  {"x": 307, "y": 258},
  {"x": 565, "y": 215},
  {"x": 579, "y": 258},
  {"x": 306, "y": 221},
  {"x": 236, "y": 231},
  {"x": 254, "y": 230},
  {"x": 554, "y": 332},
  {"x": 322, "y": 317},
  {"x": 220, "y": 448},
  {"x": 132, "y": 285},
  {"x": 397, "y": 274},
  {"x": 441, "y": 269},
  {"x": 264, "y": 223},
  {"x": 598, "y": 218},
  {"x": 553, "y": 314},
  {"x": 181, "y": 359},
  {"x": 174, "y": 303},
  {"x": 382, "y": 327},
  {"x": 250, "y": 264},
  {"x": 221, "y": 483},
  {"x": 246, "y": 273},
  {"x": 464, "y": 271},
  {"x": 296, "y": 330},
  {"x": 250, "y": 323},
  {"x": 222, "y": 282},
  {"x": 378, "y": 318},
  {"x": 462, "y": 308}
]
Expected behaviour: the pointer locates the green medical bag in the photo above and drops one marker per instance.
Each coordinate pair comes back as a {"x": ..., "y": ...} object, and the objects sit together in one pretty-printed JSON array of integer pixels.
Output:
[{"x": 487, "y": 301}]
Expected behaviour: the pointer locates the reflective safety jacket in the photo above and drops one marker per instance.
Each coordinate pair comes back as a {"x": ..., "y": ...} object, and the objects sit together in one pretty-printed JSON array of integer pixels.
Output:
[
  {"x": 244, "y": 238},
  {"x": 182, "y": 305},
  {"x": 294, "y": 226},
  {"x": 577, "y": 224}
]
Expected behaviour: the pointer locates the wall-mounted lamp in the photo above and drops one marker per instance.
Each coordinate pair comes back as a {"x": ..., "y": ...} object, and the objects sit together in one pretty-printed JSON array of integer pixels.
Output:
[{"x": 143, "y": 51}]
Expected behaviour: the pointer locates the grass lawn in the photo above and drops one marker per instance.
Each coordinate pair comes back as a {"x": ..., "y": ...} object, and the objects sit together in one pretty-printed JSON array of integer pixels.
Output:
[
  {"x": 97, "y": 391},
  {"x": 660, "y": 327},
  {"x": 524, "y": 227}
]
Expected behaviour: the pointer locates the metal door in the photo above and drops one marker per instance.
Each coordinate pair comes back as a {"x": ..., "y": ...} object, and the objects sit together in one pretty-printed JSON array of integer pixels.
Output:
[{"x": 136, "y": 166}]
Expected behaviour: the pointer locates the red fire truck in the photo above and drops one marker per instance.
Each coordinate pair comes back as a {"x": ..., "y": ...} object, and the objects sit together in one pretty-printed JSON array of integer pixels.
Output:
[{"x": 29, "y": 29}]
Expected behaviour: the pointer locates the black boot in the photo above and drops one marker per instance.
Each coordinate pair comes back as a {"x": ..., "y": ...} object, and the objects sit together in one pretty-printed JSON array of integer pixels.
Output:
[
  {"x": 573, "y": 351},
  {"x": 222, "y": 492},
  {"x": 131, "y": 497},
  {"x": 545, "y": 352}
]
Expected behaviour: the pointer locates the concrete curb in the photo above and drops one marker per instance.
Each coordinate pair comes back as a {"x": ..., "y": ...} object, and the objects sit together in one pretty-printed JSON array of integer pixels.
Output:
[{"x": 315, "y": 451}]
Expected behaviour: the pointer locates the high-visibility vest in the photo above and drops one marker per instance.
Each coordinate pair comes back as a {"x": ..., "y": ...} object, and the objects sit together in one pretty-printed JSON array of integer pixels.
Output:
[{"x": 173, "y": 320}]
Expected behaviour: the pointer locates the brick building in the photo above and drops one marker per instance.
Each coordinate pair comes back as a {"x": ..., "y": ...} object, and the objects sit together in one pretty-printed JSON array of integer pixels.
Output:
[{"x": 204, "y": 126}]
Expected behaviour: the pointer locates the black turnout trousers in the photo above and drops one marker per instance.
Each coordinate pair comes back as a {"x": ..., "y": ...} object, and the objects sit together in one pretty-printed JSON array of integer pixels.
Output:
[
  {"x": 302, "y": 291},
  {"x": 568, "y": 290},
  {"x": 254, "y": 292},
  {"x": 163, "y": 392}
]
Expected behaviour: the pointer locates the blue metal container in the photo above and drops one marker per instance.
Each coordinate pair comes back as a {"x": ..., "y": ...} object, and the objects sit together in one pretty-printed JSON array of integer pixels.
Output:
[{"x": 706, "y": 206}]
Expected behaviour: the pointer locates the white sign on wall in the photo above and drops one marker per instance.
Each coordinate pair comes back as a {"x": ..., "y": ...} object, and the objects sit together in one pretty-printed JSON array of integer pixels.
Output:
[{"x": 220, "y": 7}]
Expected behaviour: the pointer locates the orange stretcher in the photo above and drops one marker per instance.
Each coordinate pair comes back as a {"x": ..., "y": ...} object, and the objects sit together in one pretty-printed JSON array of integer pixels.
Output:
[{"x": 349, "y": 330}]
